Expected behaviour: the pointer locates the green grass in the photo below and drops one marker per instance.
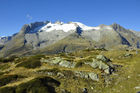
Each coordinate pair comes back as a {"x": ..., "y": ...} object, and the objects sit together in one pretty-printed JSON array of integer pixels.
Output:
[
  {"x": 37, "y": 85},
  {"x": 4, "y": 66},
  {"x": 118, "y": 82},
  {"x": 31, "y": 62}
]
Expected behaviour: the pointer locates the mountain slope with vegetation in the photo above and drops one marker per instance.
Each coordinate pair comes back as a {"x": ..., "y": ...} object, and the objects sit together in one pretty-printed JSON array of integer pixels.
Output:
[{"x": 92, "y": 70}]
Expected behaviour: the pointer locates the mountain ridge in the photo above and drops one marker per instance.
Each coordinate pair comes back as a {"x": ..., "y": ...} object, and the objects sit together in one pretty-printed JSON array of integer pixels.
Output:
[{"x": 44, "y": 35}]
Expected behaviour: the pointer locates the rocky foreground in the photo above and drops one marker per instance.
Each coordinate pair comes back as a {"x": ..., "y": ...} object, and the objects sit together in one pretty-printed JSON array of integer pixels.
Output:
[{"x": 86, "y": 71}]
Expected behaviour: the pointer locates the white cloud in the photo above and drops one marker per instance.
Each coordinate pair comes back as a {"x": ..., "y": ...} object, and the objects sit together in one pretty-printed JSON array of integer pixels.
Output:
[{"x": 29, "y": 17}]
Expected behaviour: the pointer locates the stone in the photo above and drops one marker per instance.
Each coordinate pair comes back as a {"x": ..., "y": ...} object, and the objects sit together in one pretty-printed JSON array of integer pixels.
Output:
[
  {"x": 106, "y": 67},
  {"x": 94, "y": 76},
  {"x": 73, "y": 64},
  {"x": 128, "y": 55},
  {"x": 57, "y": 60},
  {"x": 137, "y": 87},
  {"x": 94, "y": 64},
  {"x": 64, "y": 91},
  {"x": 60, "y": 75},
  {"x": 107, "y": 71},
  {"x": 82, "y": 74},
  {"x": 102, "y": 58},
  {"x": 103, "y": 66},
  {"x": 65, "y": 63},
  {"x": 85, "y": 90},
  {"x": 44, "y": 60}
]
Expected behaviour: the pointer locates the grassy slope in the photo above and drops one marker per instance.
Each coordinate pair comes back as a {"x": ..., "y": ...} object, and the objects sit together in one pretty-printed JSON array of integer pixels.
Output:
[{"x": 124, "y": 81}]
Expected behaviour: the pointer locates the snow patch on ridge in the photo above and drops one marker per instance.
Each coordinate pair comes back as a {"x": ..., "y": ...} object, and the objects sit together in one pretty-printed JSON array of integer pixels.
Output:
[
  {"x": 66, "y": 27},
  {"x": 84, "y": 27}
]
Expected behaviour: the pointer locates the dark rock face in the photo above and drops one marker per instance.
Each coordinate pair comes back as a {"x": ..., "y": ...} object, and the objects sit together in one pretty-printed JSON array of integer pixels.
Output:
[
  {"x": 78, "y": 30},
  {"x": 28, "y": 28},
  {"x": 117, "y": 27}
]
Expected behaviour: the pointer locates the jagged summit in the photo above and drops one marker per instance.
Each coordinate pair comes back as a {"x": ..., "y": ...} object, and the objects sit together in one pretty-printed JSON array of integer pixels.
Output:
[{"x": 117, "y": 27}]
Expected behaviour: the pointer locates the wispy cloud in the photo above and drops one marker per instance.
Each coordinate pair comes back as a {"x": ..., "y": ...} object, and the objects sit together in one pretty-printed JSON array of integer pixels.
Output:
[{"x": 28, "y": 16}]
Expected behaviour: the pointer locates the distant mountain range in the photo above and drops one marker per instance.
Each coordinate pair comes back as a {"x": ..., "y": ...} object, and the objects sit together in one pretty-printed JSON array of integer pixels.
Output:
[{"x": 48, "y": 37}]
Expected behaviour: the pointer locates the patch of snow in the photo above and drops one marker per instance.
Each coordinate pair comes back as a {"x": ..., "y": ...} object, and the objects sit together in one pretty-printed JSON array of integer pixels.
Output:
[
  {"x": 84, "y": 27},
  {"x": 65, "y": 27}
]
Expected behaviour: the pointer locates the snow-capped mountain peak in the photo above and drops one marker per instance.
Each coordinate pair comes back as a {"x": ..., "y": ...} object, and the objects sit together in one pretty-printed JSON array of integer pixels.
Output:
[{"x": 66, "y": 27}]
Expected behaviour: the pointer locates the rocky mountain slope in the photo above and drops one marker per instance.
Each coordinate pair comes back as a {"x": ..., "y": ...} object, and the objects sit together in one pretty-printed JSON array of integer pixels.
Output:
[{"x": 48, "y": 37}]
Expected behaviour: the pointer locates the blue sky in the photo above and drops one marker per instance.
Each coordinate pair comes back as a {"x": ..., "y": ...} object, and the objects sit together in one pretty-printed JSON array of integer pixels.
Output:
[{"x": 15, "y": 13}]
